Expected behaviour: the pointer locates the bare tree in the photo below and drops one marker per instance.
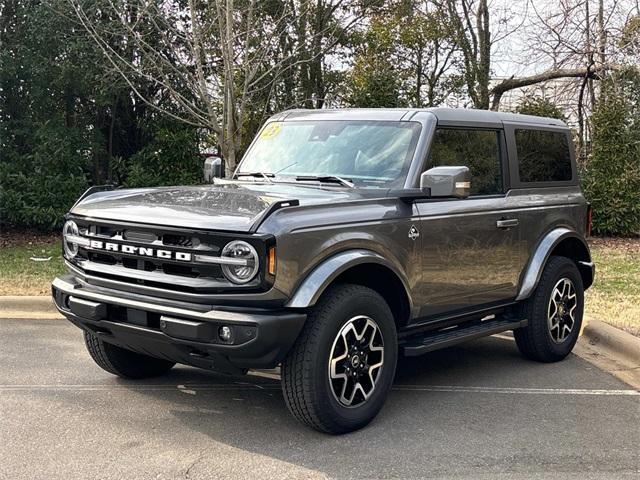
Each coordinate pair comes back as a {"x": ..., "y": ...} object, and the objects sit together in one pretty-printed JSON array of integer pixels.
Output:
[
  {"x": 570, "y": 39},
  {"x": 567, "y": 39},
  {"x": 213, "y": 62},
  {"x": 470, "y": 30}
]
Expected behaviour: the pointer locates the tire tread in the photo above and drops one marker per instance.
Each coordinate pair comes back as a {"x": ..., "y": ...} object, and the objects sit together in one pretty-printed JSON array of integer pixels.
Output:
[
  {"x": 297, "y": 371},
  {"x": 532, "y": 340}
]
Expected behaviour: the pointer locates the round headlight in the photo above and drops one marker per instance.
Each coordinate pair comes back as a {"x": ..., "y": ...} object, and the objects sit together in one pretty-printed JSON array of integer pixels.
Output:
[
  {"x": 70, "y": 229},
  {"x": 242, "y": 261}
]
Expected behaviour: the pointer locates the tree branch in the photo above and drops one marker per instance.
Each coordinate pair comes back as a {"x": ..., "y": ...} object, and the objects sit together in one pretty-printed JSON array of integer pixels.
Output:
[{"x": 513, "y": 83}]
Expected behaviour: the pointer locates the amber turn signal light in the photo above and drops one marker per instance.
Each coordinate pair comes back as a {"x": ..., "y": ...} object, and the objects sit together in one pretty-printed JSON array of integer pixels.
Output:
[{"x": 271, "y": 261}]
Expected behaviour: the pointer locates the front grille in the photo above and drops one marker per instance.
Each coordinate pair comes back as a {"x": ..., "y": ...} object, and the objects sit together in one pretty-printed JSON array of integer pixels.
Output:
[
  {"x": 178, "y": 240},
  {"x": 138, "y": 236},
  {"x": 175, "y": 273}
]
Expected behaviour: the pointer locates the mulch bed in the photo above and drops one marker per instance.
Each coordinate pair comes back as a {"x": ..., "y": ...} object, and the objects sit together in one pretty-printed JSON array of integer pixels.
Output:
[
  {"x": 20, "y": 238},
  {"x": 626, "y": 245}
]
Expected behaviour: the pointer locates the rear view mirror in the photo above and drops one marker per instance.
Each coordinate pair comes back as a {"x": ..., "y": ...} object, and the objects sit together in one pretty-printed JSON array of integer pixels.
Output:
[
  {"x": 446, "y": 182},
  {"x": 213, "y": 168}
]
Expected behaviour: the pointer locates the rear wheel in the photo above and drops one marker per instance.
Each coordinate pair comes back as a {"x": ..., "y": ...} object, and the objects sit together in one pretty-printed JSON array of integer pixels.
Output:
[
  {"x": 338, "y": 373},
  {"x": 554, "y": 312},
  {"x": 122, "y": 362}
]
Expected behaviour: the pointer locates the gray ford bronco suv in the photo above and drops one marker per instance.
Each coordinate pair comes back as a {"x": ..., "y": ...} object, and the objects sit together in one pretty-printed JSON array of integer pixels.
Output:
[{"x": 343, "y": 239}]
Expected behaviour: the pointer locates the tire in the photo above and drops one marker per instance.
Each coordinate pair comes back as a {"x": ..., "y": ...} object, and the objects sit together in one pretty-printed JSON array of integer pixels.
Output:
[
  {"x": 545, "y": 339},
  {"x": 312, "y": 396},
  {"x": 122, "y": 362}
]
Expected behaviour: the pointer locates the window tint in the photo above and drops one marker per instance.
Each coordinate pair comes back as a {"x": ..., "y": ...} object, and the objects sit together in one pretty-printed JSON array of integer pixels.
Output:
[
  {"x": 543, "y": 156},
  {"x": 477, "y": 149}
]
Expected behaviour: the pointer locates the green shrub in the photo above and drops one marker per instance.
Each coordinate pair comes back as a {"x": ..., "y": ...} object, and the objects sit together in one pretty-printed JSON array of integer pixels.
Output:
[
  {"x": 37, "y": 188},
  {"x": 541, "y": 107},
  {"x": 611, "y": 178},
  {"x": 171, "y": 158}
]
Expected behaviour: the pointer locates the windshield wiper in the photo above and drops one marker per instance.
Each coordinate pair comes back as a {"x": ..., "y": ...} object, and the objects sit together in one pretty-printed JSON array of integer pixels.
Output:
[
  {"x": 326, "y": 178},
  {"x": 266, "y": 175}
]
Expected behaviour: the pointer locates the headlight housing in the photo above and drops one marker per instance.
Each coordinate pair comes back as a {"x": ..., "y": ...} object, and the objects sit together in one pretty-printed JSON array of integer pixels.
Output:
[
  {"x": 70, "y": 232},
  {"x": 240, "y": 261}
]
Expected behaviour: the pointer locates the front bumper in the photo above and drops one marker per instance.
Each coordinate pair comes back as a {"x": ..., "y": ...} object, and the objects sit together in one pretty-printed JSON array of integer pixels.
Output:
[{"x": 180, "y": 333}]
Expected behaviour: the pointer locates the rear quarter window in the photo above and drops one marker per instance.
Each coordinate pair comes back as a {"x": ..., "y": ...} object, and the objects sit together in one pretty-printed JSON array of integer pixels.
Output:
[{"x": 543, "y": 156}]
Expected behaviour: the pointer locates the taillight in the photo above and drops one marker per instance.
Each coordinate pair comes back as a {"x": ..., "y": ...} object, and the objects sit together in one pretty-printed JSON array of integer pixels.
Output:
[{"x": 589, "y": 220}]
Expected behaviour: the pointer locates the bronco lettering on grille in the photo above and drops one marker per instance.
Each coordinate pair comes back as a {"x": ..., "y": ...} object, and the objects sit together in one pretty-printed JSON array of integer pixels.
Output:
[{"x": 142, "y": 251}]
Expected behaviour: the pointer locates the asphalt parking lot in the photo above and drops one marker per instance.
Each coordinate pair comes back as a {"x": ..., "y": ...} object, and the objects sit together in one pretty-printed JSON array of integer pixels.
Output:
[{"x": 476, "y": 411}]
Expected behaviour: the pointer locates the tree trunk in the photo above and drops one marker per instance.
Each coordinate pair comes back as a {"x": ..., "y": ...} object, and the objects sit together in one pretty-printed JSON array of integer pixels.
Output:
[{"x": 484, "y": 60}]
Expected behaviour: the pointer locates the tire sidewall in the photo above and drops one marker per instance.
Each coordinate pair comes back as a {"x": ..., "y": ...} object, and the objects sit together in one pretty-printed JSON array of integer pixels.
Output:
[
  {"x": 371, "y": 305},
  {"x": 565, "y": 270}
]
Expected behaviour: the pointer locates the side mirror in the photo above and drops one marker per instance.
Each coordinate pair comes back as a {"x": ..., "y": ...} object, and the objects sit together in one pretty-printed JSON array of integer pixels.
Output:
[
  {"x": 446, "y": 182},
  {"x": 213, "y": 168}
]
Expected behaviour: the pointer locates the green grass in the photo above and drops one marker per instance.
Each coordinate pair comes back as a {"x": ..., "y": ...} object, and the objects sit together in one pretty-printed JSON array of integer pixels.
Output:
[
  {"x": 614, "y": 297},
  {"x": 19, "y": 275}
]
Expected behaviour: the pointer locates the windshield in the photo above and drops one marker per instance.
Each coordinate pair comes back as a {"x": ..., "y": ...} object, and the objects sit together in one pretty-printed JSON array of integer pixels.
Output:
[{"x": 367, "y": 153}]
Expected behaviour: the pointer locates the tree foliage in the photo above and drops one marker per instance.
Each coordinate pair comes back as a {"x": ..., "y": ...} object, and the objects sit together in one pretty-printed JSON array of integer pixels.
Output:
[
  {"x": 65, "y": 116},
  {"x": 612, "y": 176},
  {"x": 130, "y": 92},
  {"x": 406, "y": 56},
  {"x": 540, "y": 107}
]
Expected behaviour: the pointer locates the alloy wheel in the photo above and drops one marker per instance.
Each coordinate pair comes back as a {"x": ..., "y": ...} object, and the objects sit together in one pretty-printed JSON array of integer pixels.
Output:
[
  {"x": 561, "y": 310},
  {"x": 355, "y": 361}
]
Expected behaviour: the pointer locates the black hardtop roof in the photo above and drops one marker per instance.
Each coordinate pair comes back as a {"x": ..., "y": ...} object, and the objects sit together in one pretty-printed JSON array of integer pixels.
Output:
[{"x": 445, "y": 116}]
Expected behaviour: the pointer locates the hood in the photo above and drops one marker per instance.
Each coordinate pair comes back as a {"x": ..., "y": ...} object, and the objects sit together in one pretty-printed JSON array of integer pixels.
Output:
[{"x": 228, "y": 206}]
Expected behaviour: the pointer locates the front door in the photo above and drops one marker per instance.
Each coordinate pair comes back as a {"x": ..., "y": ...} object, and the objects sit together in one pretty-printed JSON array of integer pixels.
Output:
[{"x": 471, "y": 250}]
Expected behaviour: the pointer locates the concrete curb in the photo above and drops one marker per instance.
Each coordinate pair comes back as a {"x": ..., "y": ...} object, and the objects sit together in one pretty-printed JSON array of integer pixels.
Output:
[
  {"x": 39, "y": 307},
  {"x": 617, "y": 342}
]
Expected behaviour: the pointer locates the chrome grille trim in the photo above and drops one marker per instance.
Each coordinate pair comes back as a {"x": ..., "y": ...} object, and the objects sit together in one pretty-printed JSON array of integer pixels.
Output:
[
  {"x": 152, "y": 276},
  {"x": 118, "y": 237},
  {"x": 221, "y": 260}
]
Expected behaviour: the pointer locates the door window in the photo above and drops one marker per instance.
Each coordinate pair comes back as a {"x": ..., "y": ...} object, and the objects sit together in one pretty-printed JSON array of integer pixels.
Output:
[{"x": 477, "y": 149}]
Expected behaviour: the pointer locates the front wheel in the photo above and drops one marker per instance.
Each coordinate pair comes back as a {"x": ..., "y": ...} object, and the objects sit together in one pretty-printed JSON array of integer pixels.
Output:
[
  {"x": 554, "y": 311},
  {"x": 339, "y": 372}
]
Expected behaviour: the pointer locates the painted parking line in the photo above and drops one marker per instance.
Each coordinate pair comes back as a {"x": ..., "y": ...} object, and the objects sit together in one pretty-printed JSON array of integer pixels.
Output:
[
  {"x": 516, "y": 390},
  {"x": 189, "y": 388}
]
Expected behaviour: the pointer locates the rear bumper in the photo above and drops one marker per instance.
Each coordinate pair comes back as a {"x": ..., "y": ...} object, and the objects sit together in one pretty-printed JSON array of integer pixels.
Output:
[{"x": 261, "y": 338}]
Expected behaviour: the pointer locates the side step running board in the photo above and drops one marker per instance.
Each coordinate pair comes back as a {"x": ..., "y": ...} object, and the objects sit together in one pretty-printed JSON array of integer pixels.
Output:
[{"x": 446, "y": 338}]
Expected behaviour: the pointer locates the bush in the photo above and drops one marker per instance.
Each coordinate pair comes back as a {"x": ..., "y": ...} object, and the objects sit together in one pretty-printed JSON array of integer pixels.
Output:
[
  {"x": 39, "y": 187},
  {"x": 171, "y": 158},
  {"x": 40, "y": 182},
  {"x": 611, "y": 179},
  {"x": 541, "y": 107}
]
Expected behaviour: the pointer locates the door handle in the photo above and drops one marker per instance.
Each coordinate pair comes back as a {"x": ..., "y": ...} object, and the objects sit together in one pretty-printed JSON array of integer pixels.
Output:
[{"x": 507, "y": 223}]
